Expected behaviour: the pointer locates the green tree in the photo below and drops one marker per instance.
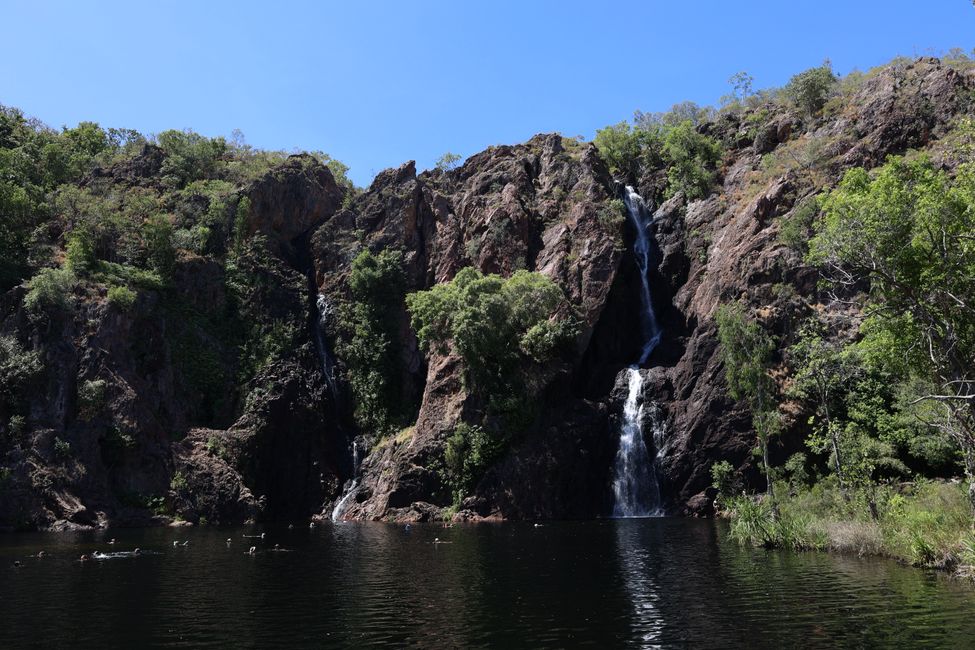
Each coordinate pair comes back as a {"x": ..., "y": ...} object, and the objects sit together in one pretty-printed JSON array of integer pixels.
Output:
[
  {"x": 906, "y": 232},
  {"x": 691, "y": 159},
  {"x": 626, "y": 148},
  {"x": 746, "y": 351},
  {"x": 823, "y": 373},
  {"x": 447, "y": 162},
  {"x": 810, "y": 89},
  {"x": 494, "y": 323}
]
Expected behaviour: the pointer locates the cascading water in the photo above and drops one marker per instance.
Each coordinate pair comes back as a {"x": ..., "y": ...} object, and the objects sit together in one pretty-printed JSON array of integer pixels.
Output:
[
  {"x": 635, "y": 485},
  {"x": 323, "y": 309},
  {"x": 350, "y": 490}
]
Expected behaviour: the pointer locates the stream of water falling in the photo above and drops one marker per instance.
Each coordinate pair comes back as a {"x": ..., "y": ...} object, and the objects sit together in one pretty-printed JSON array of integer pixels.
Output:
[
  {"x": 322, "y": 309},
  {"x": 635, "y": 485},
  {"x": 343, "y": 503}
]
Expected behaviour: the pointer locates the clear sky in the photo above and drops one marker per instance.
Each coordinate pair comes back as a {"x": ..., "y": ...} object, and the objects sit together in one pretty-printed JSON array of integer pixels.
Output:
[{"x": 377, "y": 83}]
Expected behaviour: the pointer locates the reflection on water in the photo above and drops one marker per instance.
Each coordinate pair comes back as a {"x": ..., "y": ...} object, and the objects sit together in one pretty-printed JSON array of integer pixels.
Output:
[{"x": 630, "y": 583}]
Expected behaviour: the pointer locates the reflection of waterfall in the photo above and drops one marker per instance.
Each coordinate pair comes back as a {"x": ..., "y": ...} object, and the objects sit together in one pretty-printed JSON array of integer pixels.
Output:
[
  {"x": 635, "y": 485},
  {"x": 323, "y": 311},
  {"x": 353, "y": 485},
  {"x": 635, "y": 548}
]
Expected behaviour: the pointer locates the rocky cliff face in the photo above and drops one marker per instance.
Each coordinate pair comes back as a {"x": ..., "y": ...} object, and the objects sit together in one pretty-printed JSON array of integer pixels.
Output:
[{"x": 185, "y": 439}]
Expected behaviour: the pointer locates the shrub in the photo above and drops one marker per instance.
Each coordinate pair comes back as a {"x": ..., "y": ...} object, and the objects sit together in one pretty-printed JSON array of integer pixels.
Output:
[
  {"x": 494, "y": 323},
  {"x": 625, "y": 148},
  {"x": 62, "y": 448},
  {"x": 122, "y": 298},
  {"x": 80, "y": 252},
  {"x": 447, "y": 162},
  {"x": 612, "y": 215},
  {"x": 91, "y": 398},
  {"x": 178, "y": 483},
  {"x": 470, "y": 451},
  {"x": 17, "y": 367},
  {"x": 50, "y": 291},
  {"x": 691, "y": 157},
  {"x": 810, "y": 89},
  {"x": 795, "y": 227},
  {"x": 722, "y": 478},
  {"x": 370, "y": 346}
]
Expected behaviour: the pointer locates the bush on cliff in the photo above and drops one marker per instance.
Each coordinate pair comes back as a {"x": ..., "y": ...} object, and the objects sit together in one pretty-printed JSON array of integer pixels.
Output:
[
  {"x": 369, "y": 340},
  {"x": 494, "y": 323}
]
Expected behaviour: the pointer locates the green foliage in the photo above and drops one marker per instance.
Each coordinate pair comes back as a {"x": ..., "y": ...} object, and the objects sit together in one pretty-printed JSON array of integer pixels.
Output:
[
  {"x": 178, "y": 483},
  {"x": 447, "y": 162},
  {"x": 691, "y": 157},
  {"x": 741, "y": 89},
  {"x": 494, "y": 323},
  {"x": 470, "y": 451},
  {"x": 121, "y": 297},
  {"x": 612, "y": 216},
  {"x": 370, "y": 346},
  {"x": 50, "y": 291},
  {"x": 626, "y": 148},
  {"x": 906, "y": 232},
  {"x": 18, "y": 367},
  {"x": 158, "y": 234},
  {"x": 810, "y": 89},
  {"x": 80, "y": 252},
  {"x": 91, "y": 398},
  {"x": 795, "y": 227},
  {"x": 723, "y": 478},
  {"x": 189, "y": 156},
  {"x": 746, "y": 351},
  {"x": 62, "y": 449}
]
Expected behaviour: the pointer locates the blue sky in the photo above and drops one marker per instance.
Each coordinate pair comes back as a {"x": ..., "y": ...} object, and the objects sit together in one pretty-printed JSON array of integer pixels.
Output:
[{"x": 377, "y": 83}]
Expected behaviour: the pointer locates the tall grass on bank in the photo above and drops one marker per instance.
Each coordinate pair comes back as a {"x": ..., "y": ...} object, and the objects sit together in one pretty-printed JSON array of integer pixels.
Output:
[{"x": 926, "y": 524}]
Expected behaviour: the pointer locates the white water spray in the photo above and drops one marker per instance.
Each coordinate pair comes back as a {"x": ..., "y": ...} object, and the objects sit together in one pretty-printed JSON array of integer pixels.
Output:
[
  {"x": 350, "y": 491},
  {"x": 323, "y": 311},
  {"x": 635, "y": 485}
]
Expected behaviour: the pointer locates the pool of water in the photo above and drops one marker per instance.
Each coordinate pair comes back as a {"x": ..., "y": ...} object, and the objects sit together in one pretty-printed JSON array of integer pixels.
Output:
[{"x": 614, "y": 583}]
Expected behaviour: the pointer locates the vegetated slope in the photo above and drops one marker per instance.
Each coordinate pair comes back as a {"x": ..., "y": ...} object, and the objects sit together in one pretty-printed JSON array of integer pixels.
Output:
[{"x": 169, "y": 363}]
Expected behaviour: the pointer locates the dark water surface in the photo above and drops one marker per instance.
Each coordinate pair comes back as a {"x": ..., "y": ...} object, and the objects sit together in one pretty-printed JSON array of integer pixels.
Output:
[{"x": 628, "y": 583}]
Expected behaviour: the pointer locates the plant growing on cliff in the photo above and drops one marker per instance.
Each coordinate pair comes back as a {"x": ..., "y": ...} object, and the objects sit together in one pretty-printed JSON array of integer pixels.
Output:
[
  {"x": 746, "y": 351},
  {"x": 369, "y": 346},
  {"x": 91, "y": 398},
  {"x": 691, "y": 159},
  {"x": 810, "y": 89},
  {"x": 447, "y": 162},
  {"x": 469, "y": 453},
  {"x": 626, "y": 148},
  {"x": 50, "y": 291},
  {"x": 494, "y": 323},
  {"x": 906, "y": 232}
]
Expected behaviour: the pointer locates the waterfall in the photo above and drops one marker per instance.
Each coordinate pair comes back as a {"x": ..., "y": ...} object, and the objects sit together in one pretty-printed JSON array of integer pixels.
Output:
[
  {"x": 322, "y": 312},
  {"x": 649, "y": 329},
  {"x": 635, "y": 485},
  {"x": 353, "y": 485}
]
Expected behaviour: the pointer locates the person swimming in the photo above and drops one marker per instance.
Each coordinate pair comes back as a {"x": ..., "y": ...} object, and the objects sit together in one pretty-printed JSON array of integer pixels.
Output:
[
  {"x": 83, "y": 558},
  {"x": 111, "y": 541},
  {"x": 137, "y": 551}
]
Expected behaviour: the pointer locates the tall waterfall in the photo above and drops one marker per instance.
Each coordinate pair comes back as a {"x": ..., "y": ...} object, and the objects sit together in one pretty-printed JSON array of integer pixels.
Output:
[
  {"x": 635, "y": 485},
  {"x": 649, "y": 329}
]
